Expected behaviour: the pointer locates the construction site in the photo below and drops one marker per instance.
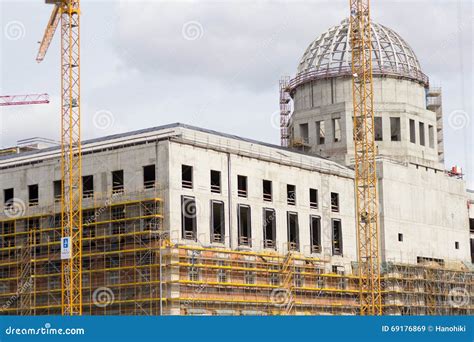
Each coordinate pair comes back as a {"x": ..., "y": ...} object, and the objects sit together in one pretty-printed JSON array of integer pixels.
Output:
[{"x": 353, "y": 214}]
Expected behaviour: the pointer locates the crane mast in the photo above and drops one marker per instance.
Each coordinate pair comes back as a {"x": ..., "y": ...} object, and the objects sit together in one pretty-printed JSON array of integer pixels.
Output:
[
  {"x": 365, "y": 164},
  {"x": 66, "y": 14}
]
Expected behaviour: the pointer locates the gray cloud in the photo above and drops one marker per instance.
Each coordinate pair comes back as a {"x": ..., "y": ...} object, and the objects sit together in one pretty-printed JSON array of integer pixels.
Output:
[{"x": 241, "y": 44}]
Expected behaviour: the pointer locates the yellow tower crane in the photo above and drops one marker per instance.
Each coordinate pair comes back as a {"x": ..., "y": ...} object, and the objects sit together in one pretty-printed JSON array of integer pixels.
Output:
[
  {"x": 365, "y": 164},
  {"x": 66, "y": 14}
]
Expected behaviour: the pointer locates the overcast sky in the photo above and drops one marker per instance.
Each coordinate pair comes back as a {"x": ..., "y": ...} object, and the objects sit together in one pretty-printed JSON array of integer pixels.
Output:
[{"x": 215, "y": 64}]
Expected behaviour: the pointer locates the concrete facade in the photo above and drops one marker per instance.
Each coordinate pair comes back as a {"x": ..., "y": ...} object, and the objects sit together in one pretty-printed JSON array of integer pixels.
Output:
[
  {"x": 258, "y": 162},
  {"x": 417, "y": 202},
  {"x": 403, "y": 100},
  {"x": 423, "y": 209},
  {"x": 169, "y": 148},
  {"x": 233, "y": 208},
  {"x": 427, "y": 208},
  {"x": 417, "y": 198}
]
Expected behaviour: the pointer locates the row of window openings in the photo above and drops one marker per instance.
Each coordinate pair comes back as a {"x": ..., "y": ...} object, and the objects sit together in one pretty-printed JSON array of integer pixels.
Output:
[
  {"x": 321, "y": 131},
  {"x": 149, "y": 182},
  {"x": 54, "y": 283},
  {"x": 400, "y": 239},
  {"x": 250, "y": 277},
  {"x": 90, "y": 217},
  {"x": 244, "y": 224},
  {"x": 395, "y": 131},
  {"x": 267, "y": 188}
]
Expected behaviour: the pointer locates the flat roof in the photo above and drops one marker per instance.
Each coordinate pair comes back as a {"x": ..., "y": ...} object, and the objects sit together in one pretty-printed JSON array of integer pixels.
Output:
[{"x": 156, "y": 129}]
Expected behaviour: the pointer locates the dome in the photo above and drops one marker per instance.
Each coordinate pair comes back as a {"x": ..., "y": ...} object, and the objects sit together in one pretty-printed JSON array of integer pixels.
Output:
[{"x": 330, "y": 55}]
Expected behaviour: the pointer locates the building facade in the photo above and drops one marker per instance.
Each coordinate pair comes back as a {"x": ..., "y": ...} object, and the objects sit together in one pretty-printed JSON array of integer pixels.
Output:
[{"x": 417, "y": 197}]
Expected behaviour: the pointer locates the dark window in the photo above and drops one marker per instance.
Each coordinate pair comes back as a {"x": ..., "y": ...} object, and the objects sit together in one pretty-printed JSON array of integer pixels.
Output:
[
  {"x": 336, "y": 237},
  {"x": 456, "y": 244},
  {"x": 338, "y": 269},
  {"x": 315, "y": 232},
  {"x": 269, "y": 228},
  {"x": 117, "y": 181},
  {"x": 422, "y": 133},
  {"x": 431, "y": 136},
  {"x": 267, "y": 190},
  {"x": 400, "y": 237},
  {"x": 242, "y": 186},
  {"x": 471, "y": 225},
  {"x": 244, "y": 225},
  {"x": 187, "y": 176},
  {"x": 395, "y": 129},
  {"x": 57, "y": 221},
  {"x": 334, "y": 202},
  {"x": 118, "y": 228},
  {"x": 57, "y": 185},
  {"x": 33, "y": 223},
  {"x": 33, "y": 195},
  {"x": 424, "y": 260},
  {"x": 88, "y": 230},
  {"x": 188, "y": 218},
  {"x": 149, "y": 176},
  {"x": 320, "y": 132},
  {"x": 216, "y": 181},
  {"x": 8, "y": 195},
  {"x": 9, "y": 227},
  {"x": 118, "y": 214},
  {"x": 291, "y": 194},
  {"x": 87, "y": 186},
  {"x": 336, "y": 129},
  {"x": 88, "y": 217},
  {"x": 313, "y": 198},
  {"x": 412, "y": 131},
  {"x": 293, "y": 231},
  {"x": 304, "y": 133},
  {"x": 217, "y": 222},
  {"x": 378, "y": 128}
]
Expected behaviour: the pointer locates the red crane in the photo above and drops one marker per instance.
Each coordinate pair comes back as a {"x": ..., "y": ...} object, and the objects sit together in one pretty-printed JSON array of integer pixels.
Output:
[{"x": 19, "y": 100}]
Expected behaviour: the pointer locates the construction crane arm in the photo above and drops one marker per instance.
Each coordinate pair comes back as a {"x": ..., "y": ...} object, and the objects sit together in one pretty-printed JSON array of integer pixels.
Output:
[
  {"x": 49, "y": 33},
  {"x": 17, "y": 100}
]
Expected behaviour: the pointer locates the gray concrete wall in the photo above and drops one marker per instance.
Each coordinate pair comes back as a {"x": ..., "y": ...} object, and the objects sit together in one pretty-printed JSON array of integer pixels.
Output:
[
  {"x": 207, "y": 152},
  {"x": 100, "y": 165},
  {"x": 428, "y": 208},
  {"x": 205, "y": 159},
  {"x": 332, "y": 98}
]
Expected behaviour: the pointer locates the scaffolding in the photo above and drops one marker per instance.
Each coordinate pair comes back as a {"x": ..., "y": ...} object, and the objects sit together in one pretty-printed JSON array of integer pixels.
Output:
[
  {"x": 132, "y": 266},
  {"x": 25, "y": 278},
  {"x": 288, "y": 271},
  {"x": 257, "y": 283},
  {"x": 434, "y": 103},
  {"x": 299, "y": 144},
  {"x": 285, "y": 110},
  {"x": 427, "y": 289},
  {"x": 122, "y": 242}
]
